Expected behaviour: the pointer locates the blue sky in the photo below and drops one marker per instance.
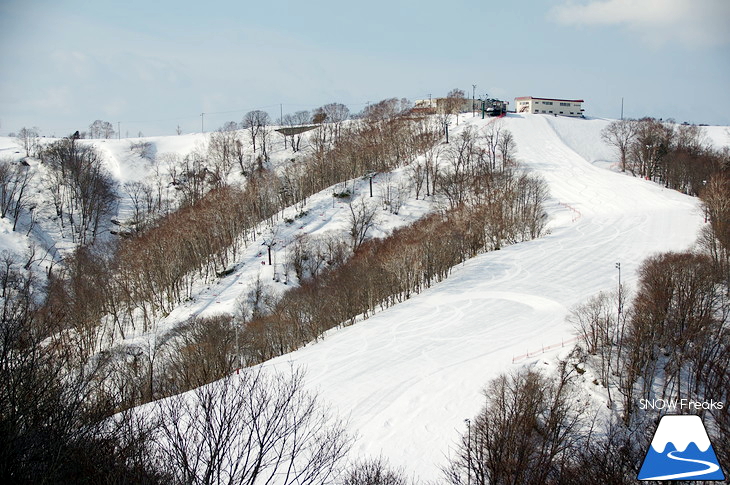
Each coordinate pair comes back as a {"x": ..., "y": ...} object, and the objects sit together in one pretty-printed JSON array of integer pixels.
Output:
[{"x": 154, "y": 65}]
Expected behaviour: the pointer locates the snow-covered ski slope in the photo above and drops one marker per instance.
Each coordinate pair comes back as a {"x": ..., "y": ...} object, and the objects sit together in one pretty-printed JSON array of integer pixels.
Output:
[{"x": 409, "y": 376}]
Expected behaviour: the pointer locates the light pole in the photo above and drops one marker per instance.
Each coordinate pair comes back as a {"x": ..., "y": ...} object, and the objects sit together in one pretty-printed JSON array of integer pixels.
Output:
[
  {"x": 649, "y": 171},
  {"x": 618, "y": 267},
  {"x": 238, "y": 351},
  {"x": 468, "y": 451},
  {"x": 473, "y": 91},
  {"x": 620, "y": 300}
]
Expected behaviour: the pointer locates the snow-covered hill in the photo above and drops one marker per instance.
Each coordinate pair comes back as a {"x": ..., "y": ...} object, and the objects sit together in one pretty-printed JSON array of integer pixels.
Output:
[
  {"x": 152, "y": 160},
  {"x": 409, "y": 376}
]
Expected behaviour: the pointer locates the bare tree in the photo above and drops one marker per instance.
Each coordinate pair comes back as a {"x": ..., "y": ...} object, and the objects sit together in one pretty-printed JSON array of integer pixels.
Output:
[
  {"x": 144, "y": 149},
  {"x": 249, "y": 428},
  {"x": 620, "y": 134},
  {"x": 28, "y": 139},
  {"x": 492, "y": 135},
  {"x": 302, "y": 117},
  {"x": 204, "y": 350},
  {"x": 673, "y": 335},
  {"x": 444, "y": 120},
  {"x": 600, "y": 323},
  {"x": 650, "y": 145},
  {"x": 454, "y": 102},
  {"x": 193, "y": 176},
  {"x": 393, "y": 193},
  {"x": 716, "y": 199},
  {"x": 333, "y": 114},
  {"x": 532, "y": 192},
  {"x": 432, "y": 169},
  {"x": 527, "y": 432},
  {"x": 362, "y": 219},
  {"x": 298, "y": 119},
  {"x": 83, "y": 191},
  {"x": 222, "y": 151},
  {"x": 417, "y": 174},
  {"x": 265, "y": 136},
  {"x": 14, "y": 180},
  {"x": 255, "y": 122},
  {"x": 53, "y": 413},
  {"x": 374, "y": 472},
  {"x": 507, "y": 148},
  {"x": 101, "y": 129},
  {"x": 386, "y": 109}
]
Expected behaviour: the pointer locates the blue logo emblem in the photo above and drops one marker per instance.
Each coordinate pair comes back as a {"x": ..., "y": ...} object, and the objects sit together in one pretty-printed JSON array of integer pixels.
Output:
[{"x": 681, "y": 450}]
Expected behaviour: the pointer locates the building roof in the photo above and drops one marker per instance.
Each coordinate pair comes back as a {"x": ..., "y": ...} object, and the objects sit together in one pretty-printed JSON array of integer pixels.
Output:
[
  {"x": 295, "y": 130},
  {"x": 551, "y": 99}
]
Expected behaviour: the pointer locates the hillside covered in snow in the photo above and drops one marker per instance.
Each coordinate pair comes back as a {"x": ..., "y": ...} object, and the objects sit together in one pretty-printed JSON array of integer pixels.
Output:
[{"x": 209, "y": 244}]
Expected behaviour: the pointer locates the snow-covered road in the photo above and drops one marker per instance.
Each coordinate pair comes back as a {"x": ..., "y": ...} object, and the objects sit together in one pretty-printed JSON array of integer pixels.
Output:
[{"x": 409, "y": 376}]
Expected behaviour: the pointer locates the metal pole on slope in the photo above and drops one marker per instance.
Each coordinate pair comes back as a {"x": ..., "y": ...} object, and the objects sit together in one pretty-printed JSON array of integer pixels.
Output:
[
  {"x": 238, "y": 351},
  {"x": 468, "y": 451},
  {"x": 473, "y": 99},
  {"x": 618, "y": 267}
]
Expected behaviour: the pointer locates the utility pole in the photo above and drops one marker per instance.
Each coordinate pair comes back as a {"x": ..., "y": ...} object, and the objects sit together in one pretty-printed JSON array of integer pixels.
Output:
[
  {"x": 618, "y": 267},
  {"x": 202, "y": 122},
  {"x": 619, "y": 324},
  {"x": 238, "y": 351},
  {"x": 468, "y": 451},
  {"x": 119, "y": 130},
  {"x": 473, "y": 99},
  {"x": 622, "y": 108}
]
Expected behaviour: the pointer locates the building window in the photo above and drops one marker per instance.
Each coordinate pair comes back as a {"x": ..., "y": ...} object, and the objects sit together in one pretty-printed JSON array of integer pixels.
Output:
[{"x": 564, "y": 104}]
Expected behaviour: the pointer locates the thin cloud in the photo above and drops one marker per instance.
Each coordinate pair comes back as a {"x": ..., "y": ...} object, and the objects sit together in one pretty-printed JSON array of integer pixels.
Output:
[{"x": 691, "y": 23}]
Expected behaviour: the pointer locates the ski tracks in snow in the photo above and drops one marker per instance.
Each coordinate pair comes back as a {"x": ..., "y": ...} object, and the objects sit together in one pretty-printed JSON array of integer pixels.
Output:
[{"x": 409, "y": 376}]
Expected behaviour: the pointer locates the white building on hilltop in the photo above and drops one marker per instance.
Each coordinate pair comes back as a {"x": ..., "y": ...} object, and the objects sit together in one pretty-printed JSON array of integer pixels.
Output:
[
  {"x": 563, "y": 107},
  {"x": 438, "y": 105}
]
